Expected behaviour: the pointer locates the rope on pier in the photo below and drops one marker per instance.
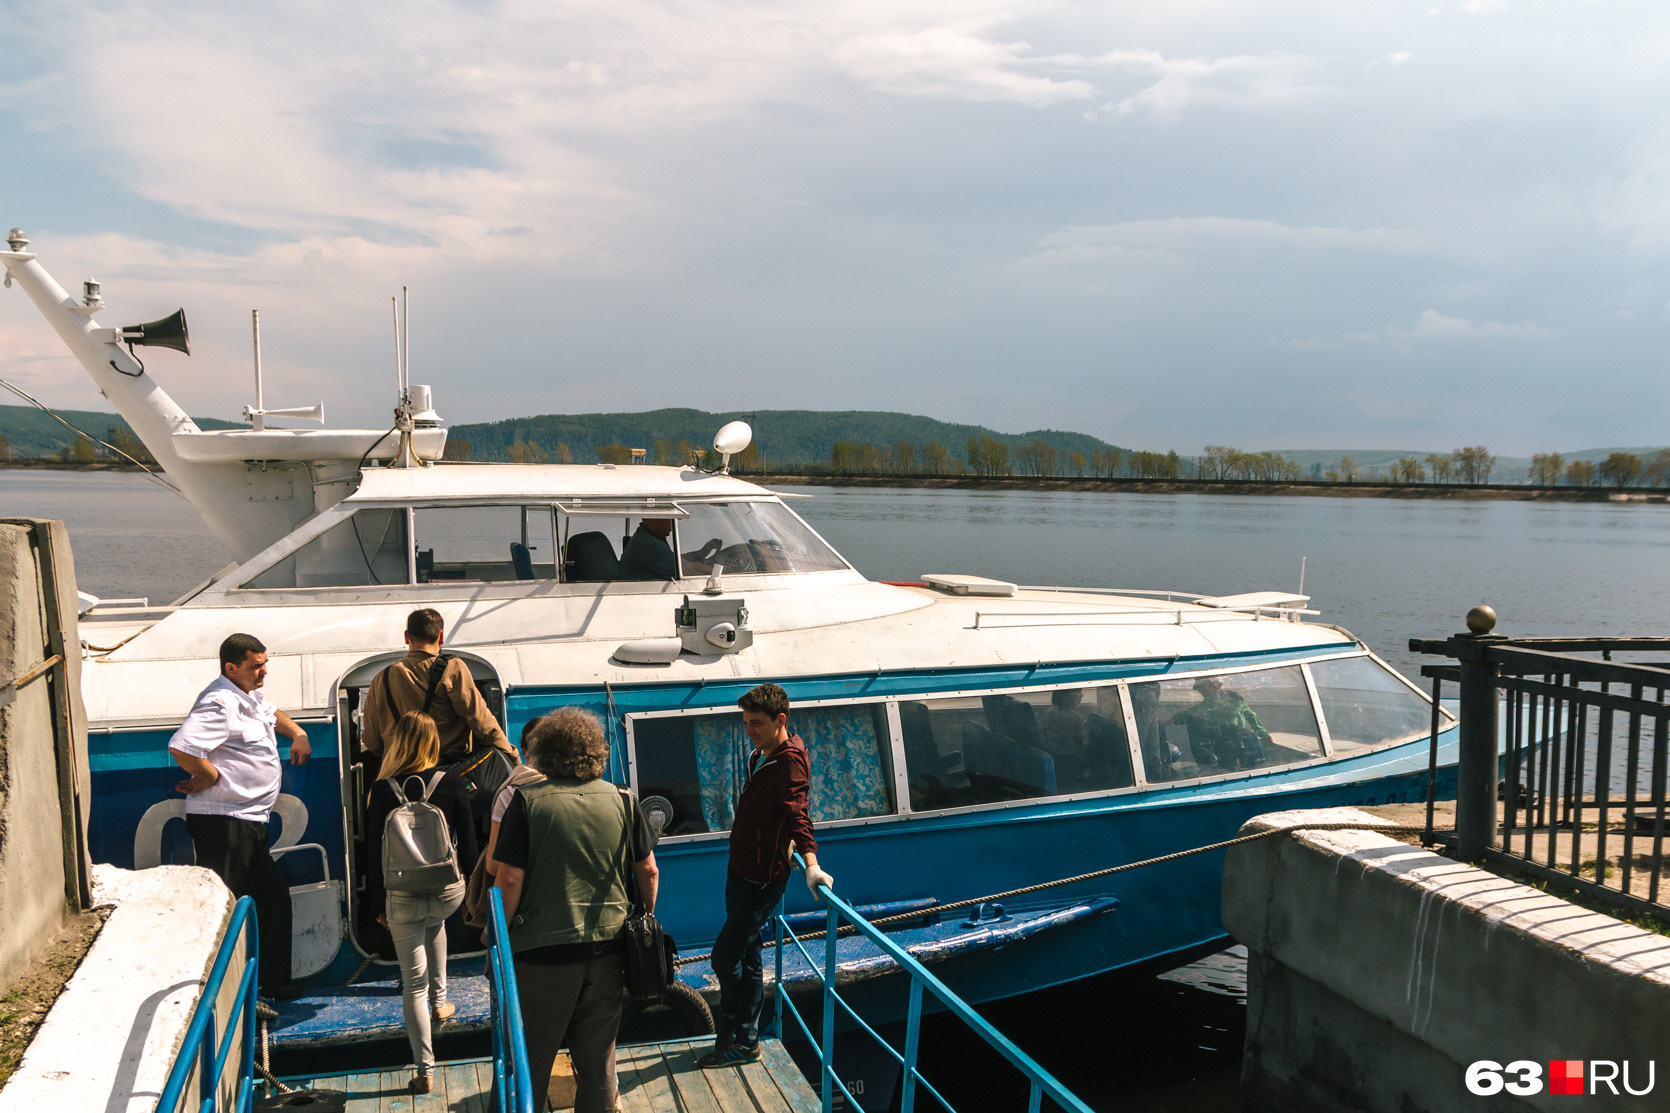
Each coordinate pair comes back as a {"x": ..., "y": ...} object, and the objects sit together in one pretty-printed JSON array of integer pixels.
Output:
[{"x": 848, "y": 929}]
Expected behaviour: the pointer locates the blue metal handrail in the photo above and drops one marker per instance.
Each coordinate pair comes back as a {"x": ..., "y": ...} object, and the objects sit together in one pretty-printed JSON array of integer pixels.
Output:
[
  {"x": 512, "y": 1081},
  {"x": 199, "y": 1045},
  {"x": 1040, "y": 1080}
]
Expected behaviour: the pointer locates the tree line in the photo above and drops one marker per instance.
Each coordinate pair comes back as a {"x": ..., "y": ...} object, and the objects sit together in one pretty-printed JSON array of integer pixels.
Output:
[{"x": 988, "y": 456}]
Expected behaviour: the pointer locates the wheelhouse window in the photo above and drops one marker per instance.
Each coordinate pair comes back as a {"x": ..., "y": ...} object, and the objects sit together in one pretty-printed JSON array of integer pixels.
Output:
[
  {"x": 367, "y": 549},
  {"x": 1211, "y": 725},
  {"x": 691, "y": 768},
  {"x": 484, "y": 544},
  {"x": 980, "y": 749},
  {"x": 1366, "y": 705},
  {"x": 602, "y": 546},
  {"x": 751, "y": 537}
]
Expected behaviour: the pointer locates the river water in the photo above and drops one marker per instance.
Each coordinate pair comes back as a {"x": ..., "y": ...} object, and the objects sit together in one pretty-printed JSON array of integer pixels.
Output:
[{"x": 1386, "y": 569}]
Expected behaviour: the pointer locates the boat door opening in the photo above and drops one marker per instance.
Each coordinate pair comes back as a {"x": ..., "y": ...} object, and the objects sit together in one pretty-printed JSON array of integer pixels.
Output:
[{"x": 359, "y": 773}]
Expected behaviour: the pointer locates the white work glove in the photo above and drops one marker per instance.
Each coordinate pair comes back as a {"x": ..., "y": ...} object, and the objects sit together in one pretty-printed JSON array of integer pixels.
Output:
[{"x": 816, "y": 876}]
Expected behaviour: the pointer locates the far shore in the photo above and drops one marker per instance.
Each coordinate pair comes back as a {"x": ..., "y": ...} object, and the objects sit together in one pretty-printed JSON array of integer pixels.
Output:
[
  {"x": 1516, "y": 492},
  {"x": 1487, "y": 491}
]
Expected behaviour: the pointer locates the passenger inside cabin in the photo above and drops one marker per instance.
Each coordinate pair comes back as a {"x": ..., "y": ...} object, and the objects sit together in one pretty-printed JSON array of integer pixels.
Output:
[
  {"x": 648, "y": 554},
  {"x": 1223, "y": 729},
  {"x": 1064, "y": 735},
  {"x": 1158, "y": 755}
]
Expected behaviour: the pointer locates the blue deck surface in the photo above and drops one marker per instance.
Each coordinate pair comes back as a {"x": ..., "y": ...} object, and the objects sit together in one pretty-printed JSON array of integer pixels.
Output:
[
  {"x": 928, "y": 943},
  {"x": 370, "y": 1009}
]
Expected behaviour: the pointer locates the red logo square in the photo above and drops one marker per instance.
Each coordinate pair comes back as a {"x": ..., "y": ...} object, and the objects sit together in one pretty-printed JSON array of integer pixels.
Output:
[{"x": 1565, "y": 1076}]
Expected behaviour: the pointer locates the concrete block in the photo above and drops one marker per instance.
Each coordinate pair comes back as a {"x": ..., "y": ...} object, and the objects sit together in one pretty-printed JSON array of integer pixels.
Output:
[
  {"x": 32, "y": 891},
  {"x": 1354, "y": 933}
]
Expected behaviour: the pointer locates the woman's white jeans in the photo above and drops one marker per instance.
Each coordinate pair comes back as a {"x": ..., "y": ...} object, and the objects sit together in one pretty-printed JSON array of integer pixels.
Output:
[{"x": 418, "y": 924}]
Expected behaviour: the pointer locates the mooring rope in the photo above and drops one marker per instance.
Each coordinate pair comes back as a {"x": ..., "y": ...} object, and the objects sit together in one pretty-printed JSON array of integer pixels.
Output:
[
  {"x": 849, "y": 929},
  {"x": 264, "y": 1066}
]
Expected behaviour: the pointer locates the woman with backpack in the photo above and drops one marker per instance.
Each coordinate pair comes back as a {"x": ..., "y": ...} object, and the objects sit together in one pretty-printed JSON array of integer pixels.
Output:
[{"x": 422, "y": 848}]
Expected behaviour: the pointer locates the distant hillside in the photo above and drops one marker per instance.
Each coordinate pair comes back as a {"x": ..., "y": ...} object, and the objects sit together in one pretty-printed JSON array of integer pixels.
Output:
[
  {"x": 785, "y": 437},
  {"x": 31, "y": 433}
]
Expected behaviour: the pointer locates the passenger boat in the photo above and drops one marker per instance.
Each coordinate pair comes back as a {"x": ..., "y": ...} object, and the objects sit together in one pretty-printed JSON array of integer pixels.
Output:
[{"x": 967, "y": 736}]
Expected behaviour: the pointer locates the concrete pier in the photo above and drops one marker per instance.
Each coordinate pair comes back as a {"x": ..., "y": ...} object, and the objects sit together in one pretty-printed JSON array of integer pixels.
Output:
[
  {"x": 1378, "y": 973},
  {"x": 44, "y": 782}
]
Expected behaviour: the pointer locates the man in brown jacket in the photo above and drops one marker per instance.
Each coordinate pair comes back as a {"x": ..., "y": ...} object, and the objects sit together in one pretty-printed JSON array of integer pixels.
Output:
[{"x": 461, "y": 716}]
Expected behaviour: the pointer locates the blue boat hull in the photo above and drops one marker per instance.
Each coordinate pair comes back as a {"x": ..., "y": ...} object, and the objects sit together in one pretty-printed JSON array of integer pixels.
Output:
[{"x": 1167, "y": 911}]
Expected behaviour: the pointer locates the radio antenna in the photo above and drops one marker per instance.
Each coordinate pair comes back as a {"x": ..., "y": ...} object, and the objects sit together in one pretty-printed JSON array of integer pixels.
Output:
[
  {"x": 399, "y": 369},
  {"x": 405, "y": 343},
  {"x": 258, "y": 418},
  {"x": 1301, "y": 575}
]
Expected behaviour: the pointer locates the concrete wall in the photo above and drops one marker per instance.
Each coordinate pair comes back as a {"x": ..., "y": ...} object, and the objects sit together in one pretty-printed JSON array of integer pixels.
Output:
[
  {"x": 1379, "y": 971},
  {"x": 112, "y": 1037},
  {"x": 43, "y": 734}
]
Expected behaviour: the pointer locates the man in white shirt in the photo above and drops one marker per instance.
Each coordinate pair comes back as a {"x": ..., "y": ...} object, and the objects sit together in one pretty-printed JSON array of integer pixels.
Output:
[{"x": 229, "y": 746}]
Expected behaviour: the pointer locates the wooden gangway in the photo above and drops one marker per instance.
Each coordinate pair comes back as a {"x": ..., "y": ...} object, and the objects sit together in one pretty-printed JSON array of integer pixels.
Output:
[{"x": 653, "y": 1078}]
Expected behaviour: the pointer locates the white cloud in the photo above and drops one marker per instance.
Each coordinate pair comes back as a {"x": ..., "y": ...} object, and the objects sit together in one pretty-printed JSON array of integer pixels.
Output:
[
  {"x": 957, "y": 61},
  {"x": 1430, "y": 327},
  {"x": 1237, "y": 81},
  {"x": 1216, "y": 235}
]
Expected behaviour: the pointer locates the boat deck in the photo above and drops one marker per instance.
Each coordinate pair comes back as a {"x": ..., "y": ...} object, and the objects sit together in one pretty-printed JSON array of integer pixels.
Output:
[{"x": 653, "y": 1078}]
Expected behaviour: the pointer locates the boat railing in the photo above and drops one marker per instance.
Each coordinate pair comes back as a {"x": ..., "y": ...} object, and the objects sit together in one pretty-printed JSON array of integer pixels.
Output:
[
  {"x": 512, "y": 1081},
  {"x": 842, "y": 915},
  {"x": 209, "y": 1048},
  {"x": 1564, "y": 754},
  {"x": 1136, "y": 616}
]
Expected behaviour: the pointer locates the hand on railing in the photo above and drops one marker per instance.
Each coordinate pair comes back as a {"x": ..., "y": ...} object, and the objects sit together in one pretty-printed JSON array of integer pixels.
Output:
[{"x": 815, "y": 876}]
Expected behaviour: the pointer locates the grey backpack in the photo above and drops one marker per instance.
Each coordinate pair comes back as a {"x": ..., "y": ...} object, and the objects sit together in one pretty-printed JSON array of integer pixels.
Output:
[{"x": 419, "y": 855}]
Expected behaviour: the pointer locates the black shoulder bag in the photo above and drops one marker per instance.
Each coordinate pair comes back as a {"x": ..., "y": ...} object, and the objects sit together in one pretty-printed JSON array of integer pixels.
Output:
[{"x": 646, "y": 948}]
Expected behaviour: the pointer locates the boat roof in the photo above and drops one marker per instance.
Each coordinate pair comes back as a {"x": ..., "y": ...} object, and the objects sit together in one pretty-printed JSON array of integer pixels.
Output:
[{"x": 627, "y": 482}]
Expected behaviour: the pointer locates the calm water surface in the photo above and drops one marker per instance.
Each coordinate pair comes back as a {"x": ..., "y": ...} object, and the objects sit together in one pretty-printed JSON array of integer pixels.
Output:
[{"x": 1386, "y": 569}]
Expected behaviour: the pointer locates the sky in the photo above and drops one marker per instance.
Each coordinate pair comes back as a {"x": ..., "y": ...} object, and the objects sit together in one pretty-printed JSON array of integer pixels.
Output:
[{"x": 1293, "y": 224}]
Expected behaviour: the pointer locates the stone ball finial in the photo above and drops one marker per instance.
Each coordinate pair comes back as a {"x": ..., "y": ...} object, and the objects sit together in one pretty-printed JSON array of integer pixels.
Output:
[{"x": 1481, "y": 619}]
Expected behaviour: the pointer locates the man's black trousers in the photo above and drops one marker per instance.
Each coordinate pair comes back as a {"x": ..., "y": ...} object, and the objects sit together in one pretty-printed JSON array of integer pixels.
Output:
[{"x": 236, "y": 849}]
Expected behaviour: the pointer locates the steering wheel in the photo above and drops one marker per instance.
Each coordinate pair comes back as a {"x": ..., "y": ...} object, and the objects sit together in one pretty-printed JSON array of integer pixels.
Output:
[{"x": 707, "y": 552}]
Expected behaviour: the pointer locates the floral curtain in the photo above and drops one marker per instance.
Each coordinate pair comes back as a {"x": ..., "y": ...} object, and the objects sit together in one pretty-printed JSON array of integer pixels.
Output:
[{"x": 848, "y": 779}]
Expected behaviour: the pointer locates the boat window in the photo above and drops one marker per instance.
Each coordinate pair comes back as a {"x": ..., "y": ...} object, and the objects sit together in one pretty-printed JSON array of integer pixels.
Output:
[
  {"x": 484, "y": 544},
  {"x": 368, "y": 548},
  {"x": 601, "y": 547},
  {"x": 751, "y": 537},
  {"x": 697, "y": 765},
  {"x": 980, "y": 749},
  {"x": 1366, "y": 705},
  {"x": 1210, "y": 725}
]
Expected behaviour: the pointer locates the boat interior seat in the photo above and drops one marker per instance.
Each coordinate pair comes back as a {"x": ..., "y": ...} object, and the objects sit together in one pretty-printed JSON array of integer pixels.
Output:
[
  {"x": 1107, "y": 755},
  {"x": 1013, "y": 718},
  {"x": 521, "y": 560},
  {"x": 935, "y": 778},
  {"x": 591, "y": 557},
  {"x": 1004, "y": 768}
]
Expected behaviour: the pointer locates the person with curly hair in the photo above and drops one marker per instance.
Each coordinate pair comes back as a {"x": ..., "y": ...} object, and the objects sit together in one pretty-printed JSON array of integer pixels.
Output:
[{"x": 561, "y": 859}]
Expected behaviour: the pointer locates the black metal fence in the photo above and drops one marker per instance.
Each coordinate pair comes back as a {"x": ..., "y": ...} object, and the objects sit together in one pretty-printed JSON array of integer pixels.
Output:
[{"x": 1564, "y": 756}]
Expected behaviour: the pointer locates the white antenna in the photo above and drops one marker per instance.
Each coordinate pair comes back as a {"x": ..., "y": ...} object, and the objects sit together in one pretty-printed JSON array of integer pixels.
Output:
[
  {"x": 1301, "y": 575},
  {"x": 257, "y": 414},
  {"x": 405, "y": 343},
  {"x": 258, "y": 417},
  {"x": 399, "y": 363}
]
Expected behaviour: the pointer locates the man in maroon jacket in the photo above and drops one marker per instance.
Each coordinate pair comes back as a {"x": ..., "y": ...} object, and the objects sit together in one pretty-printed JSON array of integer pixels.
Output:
[{"x": 770, "y": 823}]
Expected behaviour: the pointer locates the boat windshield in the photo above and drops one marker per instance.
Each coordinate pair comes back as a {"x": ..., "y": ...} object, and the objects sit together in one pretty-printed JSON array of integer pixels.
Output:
[{"x": 750, "y": 537}]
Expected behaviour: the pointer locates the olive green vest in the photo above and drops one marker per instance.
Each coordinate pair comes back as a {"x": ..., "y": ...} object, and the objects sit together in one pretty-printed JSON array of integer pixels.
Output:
[{"x": 574, "y": 890}]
